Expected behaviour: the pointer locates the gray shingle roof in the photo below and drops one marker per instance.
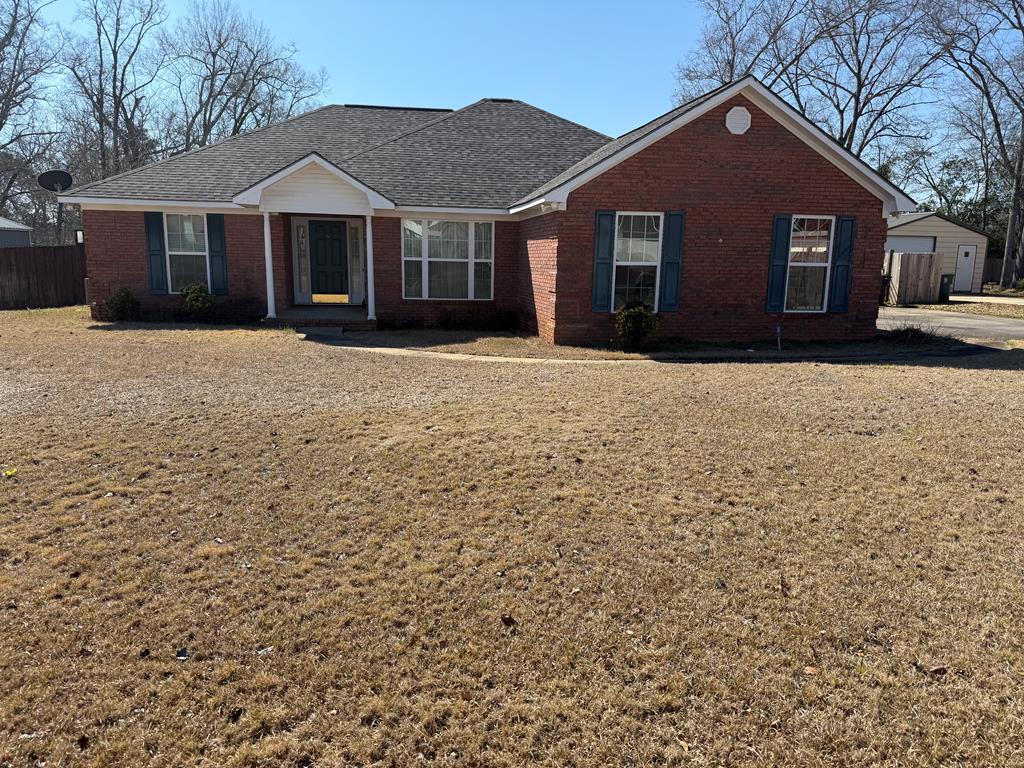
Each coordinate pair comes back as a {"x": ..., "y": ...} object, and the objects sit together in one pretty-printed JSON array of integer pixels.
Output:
[{"x": 488, "y": 154}]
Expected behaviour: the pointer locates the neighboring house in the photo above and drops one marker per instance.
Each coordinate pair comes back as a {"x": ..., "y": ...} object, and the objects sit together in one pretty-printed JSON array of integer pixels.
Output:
[
  {"x": 730, "y": 215},
  {"x": 14, "y": 235},
  {"x": 962, "y": 247}
]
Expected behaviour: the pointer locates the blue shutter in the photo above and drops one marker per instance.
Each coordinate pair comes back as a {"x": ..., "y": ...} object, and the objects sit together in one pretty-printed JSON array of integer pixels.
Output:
[
  {"x": 155, "y": 251},
  {"x": 604, "y": 250},
  {"x": 842, "y": 265},
  {"x": 218, "y": 253},
  {"x": 779, "y": 263},
  {"x": 671, "y": 261}
]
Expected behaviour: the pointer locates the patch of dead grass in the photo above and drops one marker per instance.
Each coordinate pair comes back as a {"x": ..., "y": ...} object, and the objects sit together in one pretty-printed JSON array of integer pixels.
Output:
[
  {"x": 394, "y": 560},
  {"x": 987, "y": 308}
]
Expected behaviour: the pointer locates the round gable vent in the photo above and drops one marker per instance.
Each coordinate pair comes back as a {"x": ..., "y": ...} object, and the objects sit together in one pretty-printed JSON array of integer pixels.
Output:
[{"x": 738, "y": 120}]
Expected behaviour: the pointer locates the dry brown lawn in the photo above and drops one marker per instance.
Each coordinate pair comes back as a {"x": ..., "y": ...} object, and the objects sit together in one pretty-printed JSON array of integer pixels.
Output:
[
  {"x": 378, "y": 560},
  {"x": 990, "y": 309}
]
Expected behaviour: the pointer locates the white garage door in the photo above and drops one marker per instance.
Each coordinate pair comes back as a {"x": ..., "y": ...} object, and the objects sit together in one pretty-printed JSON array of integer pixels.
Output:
[{"x": 910, "y": 244}]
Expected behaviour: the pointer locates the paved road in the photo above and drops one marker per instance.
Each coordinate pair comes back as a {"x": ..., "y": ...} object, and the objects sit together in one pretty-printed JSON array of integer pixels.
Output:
[{"x": 978, "y": 327}]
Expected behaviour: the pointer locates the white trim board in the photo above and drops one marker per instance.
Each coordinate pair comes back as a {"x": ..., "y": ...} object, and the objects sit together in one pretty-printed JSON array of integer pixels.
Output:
[
  {"x": 892, "y": 197},
  {"x": 132, "y": 204}
]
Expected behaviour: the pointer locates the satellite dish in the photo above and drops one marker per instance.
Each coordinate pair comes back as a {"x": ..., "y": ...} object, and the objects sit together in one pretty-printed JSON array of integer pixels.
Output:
[{"x": 55, "y": 181}]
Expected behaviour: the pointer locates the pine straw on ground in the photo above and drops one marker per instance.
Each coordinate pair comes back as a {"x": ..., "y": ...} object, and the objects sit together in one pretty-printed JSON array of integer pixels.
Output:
[
  {"x": 988, "y": 308},
  {"x": 400, "y": 561}
]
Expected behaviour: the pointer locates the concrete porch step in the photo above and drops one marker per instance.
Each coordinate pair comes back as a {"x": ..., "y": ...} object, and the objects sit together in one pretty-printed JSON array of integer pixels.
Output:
[{"x": 348, "y": 318}]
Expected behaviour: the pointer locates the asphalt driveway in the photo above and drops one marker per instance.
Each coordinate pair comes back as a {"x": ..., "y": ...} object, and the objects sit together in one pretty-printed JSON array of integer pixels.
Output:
[{"x": 972, "y": 327}]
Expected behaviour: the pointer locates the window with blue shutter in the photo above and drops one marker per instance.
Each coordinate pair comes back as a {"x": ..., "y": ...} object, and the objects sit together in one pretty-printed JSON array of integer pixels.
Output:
[
  {"x": 218, "y": 253},
  {"x": 155, "y": 251},
  {"x": 842, "y": 265},
  {"x": 604, "y": 250},
  {"x": 779, "y": 263},
  {"x": 671, "y": 261}
]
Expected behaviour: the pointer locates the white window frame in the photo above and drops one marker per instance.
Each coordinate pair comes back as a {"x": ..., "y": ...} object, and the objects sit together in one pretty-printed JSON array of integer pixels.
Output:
[
  {"x": 656, "y": 264},
  {"x": 167, "y": 247},
  {"x": 827, "y": 266},
  {"x": 424, "y": 259}
]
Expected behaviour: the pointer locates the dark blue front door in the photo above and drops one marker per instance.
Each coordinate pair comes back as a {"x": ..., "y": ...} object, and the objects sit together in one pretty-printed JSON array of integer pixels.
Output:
[{"x": 328, "y": 255}]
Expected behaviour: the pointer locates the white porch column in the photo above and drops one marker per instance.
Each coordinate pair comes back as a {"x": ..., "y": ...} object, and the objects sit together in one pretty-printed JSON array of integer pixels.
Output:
[
  {"x": 371, "y": 307},
  {"x": 268, "y": 263}
]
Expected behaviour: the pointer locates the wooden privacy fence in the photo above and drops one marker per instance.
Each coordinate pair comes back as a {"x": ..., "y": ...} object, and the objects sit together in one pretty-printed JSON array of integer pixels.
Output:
[
  {"x": 915, "y": 278},
  {"x": 42, "y": 276}
]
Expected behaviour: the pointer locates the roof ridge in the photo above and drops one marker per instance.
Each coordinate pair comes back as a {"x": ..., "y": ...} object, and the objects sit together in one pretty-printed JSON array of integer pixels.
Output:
[
  {"x": 197, "y": 150},
  {"x": 411, "y": 131},
  {"x": 563, "y": 119},
  {"x": 387, "y": 106}
]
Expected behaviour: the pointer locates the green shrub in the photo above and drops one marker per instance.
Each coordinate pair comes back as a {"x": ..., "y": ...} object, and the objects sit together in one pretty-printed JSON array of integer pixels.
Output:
[
  {"x": 122, "y": 305},
  {"x": 1019, "y": 284},
  {"x": 634, "y": 324},
  {"x": 198, "y": 301}
]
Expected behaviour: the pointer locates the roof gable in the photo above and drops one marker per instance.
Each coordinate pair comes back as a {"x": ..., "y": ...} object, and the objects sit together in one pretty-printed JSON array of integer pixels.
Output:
[
  {"x": 608, "y": 156},
  {"x": 317, "y": 186},
  {"x": 902, "y": 220}
]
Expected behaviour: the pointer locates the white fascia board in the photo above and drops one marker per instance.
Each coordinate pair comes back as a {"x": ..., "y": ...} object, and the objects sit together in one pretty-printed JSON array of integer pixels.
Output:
[
  {"x": 540, "y": 201},
  {"x": 893, "y": 198},
  {"x": 134, "y": 204},
  {"x": 251, "y": 196},
  {"x": 432, "y": 209}
]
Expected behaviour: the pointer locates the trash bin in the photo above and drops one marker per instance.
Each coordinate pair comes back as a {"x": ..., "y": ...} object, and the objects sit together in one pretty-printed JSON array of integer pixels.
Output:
[{"x": 945, "y": 288}]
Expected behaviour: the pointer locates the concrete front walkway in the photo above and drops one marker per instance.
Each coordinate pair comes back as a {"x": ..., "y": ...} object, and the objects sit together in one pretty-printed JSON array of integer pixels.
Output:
[{"x": 960, "y": 325}]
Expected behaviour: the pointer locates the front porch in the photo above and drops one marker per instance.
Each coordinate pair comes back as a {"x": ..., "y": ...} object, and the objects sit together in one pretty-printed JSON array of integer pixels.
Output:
[
  {"x": 348, "y": 318},
  {"x": 318, "y": 244}
]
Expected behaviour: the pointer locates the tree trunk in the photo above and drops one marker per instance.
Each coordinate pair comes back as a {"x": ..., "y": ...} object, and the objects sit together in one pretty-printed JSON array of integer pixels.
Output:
[{"x": 1013, "y": 255}]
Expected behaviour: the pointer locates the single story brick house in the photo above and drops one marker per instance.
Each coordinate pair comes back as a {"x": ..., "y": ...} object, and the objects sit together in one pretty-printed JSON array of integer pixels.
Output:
[{"x": 729, "y": 215}]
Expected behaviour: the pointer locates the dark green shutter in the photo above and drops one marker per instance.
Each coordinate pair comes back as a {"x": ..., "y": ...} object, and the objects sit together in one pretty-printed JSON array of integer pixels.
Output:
[
  {"x": 842, "y": 265},
  {"x": 779, "y": 263},
  {"x": 218, "y": 253},
  {"x": 155, "y": 251},
  {"x": 671, "y": 261},
  {"x": 604, "y": 249}
]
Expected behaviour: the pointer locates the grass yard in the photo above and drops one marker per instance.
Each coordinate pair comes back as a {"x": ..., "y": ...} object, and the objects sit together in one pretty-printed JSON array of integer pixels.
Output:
[
  {"x": 368, "y": 559},
  {"x": 990, "y": 309}
]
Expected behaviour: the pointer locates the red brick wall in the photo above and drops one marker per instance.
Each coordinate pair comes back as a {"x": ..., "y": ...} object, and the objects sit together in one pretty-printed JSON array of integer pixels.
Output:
[
  {"x": 115, "y": 257},
  {"x": 394, "y": 311},
  {"x": 731, "y": 187},
  {"x": 538, "y": 248}
]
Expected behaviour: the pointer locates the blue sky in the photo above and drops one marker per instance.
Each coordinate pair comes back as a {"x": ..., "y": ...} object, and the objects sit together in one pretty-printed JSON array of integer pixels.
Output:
[{"x": 607, "y": 65}]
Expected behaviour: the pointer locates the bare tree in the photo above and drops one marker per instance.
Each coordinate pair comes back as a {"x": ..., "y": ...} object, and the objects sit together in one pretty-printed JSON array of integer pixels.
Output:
[
  {"x": 856, "y": 67},
  {"x": 228, "y": 75},
  {"x": 26, "y": 61},
  {"x": 113, "y": 71},
  {"x": 984, "y": 44}
]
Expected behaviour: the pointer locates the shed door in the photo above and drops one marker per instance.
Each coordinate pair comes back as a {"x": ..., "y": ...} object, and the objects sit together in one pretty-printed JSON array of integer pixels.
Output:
[{"x": 965, "y": 256}]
